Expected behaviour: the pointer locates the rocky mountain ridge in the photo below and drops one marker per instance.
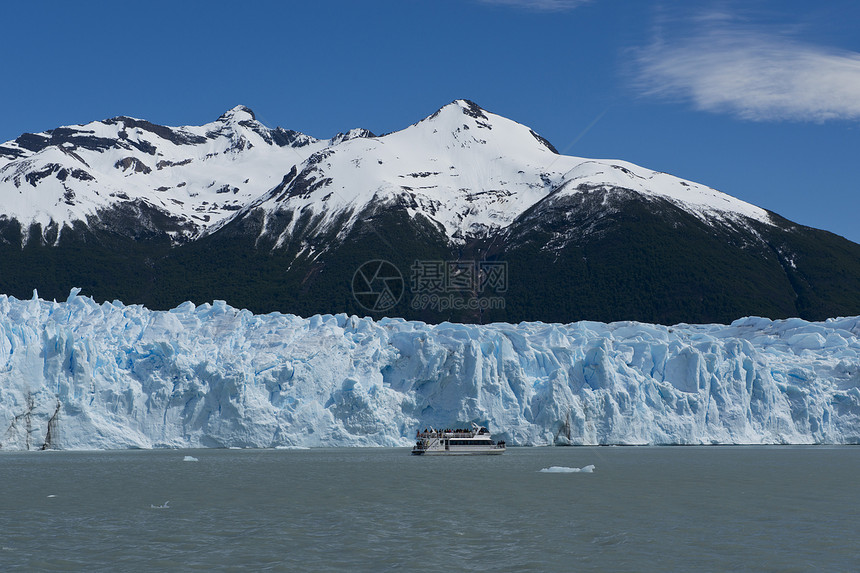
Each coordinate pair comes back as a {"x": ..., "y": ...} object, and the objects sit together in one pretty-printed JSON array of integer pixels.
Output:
[{"x": 272, "y": 219}]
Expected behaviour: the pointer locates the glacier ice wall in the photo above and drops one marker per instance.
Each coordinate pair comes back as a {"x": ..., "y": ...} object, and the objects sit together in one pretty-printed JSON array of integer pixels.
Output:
[{"x": 79, "y": 375}]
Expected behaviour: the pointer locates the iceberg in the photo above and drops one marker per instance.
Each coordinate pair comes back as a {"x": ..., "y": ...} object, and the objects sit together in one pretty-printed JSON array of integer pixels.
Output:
[
  {"x": 83, "y": 375},
  {"x": 566, "y": 470}
]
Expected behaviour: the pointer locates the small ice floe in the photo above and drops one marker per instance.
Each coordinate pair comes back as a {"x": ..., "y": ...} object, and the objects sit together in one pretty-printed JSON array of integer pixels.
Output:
[
  {"x": 53, "y": 495},
  {"x": 563, "y": 470},
  {"x": 190, "y": 459},
  {"x": 162, "y": 506}
]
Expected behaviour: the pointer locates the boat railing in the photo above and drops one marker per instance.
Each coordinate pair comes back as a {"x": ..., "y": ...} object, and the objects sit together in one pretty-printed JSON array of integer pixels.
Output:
[
  {"x": 445, "y": 434},
  {"x": 427, "y": 442}
]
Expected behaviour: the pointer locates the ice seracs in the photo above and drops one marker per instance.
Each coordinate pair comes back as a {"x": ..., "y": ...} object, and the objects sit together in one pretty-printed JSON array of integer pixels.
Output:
[{"x": 81, "y": 375}]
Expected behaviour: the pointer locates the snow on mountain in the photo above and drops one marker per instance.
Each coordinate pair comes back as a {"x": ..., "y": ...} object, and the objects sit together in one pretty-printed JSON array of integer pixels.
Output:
[
  {"x": 472, "y": 172},
  {"x": 700, "y": 200},
  {"x": 78, "y": 375},
  {"x": 197, "y": 174}
]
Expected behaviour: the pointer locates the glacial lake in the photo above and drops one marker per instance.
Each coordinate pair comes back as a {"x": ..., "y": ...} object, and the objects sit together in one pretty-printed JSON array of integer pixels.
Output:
[{"x": 789, "y": 508}]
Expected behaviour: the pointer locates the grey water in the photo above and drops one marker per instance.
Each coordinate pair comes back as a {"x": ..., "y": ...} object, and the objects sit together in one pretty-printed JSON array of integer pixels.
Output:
[{"x": 641, "y": 509}]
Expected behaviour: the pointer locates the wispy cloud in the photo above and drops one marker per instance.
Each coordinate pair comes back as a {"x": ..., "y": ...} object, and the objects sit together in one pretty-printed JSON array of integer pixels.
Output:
[
  {"x": 753, "y": 74},
  {"x": 540, "y": 5}
]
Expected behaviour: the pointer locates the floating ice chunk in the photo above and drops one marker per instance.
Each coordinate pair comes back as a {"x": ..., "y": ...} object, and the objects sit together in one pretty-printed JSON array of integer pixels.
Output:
[
  {"x": 190, "y": 459},
  {"x": 564, "y": 470},
  {"x": 162, "y": 506},
  {"x": 52, "y": 495}
]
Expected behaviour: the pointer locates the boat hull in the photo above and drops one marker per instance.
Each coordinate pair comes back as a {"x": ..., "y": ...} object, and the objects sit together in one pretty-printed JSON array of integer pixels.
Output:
[{"x": 494, "y": 452}]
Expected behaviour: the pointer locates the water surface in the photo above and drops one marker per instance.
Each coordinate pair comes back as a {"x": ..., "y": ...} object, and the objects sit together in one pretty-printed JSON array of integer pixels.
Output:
[{"x": 641, "y": 509}]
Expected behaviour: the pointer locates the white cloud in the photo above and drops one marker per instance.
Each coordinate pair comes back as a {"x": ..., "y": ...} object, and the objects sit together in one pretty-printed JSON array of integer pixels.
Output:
[
  {"x": 541, "y": 5},
  {"x": 754, "y": 76}
]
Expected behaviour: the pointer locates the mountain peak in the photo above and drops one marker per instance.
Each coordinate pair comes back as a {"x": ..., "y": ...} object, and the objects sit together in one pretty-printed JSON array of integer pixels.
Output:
[
  {"x": 239, "y": 113},
  {"x": 353, "y": 133},
  {"x": 470, "y": 108},
  {"x": 464, "y": 106}
]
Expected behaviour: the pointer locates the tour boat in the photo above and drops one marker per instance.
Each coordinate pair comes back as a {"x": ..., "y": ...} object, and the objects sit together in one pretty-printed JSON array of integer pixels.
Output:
[{"x": 475, "y": 441}]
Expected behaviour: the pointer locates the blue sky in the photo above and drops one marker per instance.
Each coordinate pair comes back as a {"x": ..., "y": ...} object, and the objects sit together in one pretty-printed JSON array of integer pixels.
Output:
[{"x": 759, "y": 99}]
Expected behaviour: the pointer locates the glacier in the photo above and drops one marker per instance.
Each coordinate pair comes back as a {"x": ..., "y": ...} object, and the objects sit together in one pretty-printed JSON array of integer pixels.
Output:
[{"x": 83, "y": 375}]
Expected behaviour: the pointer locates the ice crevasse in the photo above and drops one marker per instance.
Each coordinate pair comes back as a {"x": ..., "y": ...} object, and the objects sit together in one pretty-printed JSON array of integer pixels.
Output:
[{"x": 82, "y": 375}]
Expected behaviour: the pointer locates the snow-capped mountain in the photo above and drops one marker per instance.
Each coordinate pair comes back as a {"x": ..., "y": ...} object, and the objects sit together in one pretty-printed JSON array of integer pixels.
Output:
[
  {"x": 471, "y": 173},
  {"x": 272, "y": 219},
  {"x": 196, "y": 176}
]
